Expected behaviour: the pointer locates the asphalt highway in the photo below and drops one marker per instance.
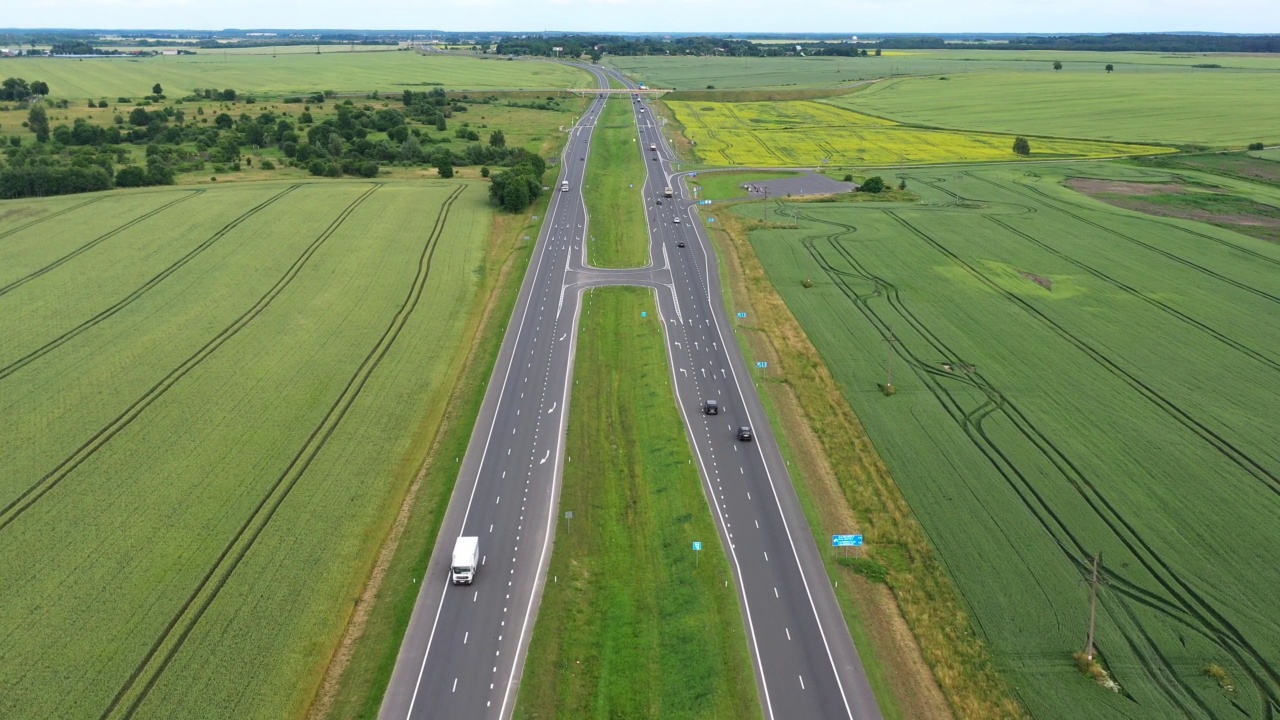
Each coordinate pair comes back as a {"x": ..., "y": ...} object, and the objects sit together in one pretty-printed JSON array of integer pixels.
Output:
[{"x": 465, "y": 646}]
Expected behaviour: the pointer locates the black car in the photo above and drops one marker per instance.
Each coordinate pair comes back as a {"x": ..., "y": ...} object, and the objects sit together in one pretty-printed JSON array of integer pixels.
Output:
[
  {"x": 711, "y": 407},
  {"x": 659, "y": 202},
  {"x": 680, "y": 244},
  {"x": 744, "y": 433}
]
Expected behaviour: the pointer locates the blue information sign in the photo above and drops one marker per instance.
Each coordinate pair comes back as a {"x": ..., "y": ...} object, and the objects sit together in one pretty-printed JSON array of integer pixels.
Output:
[
  {"x": 762, "y": 364},
  {"x": 697, "y": 545},
  {"x": 846, "y": 541},
  {"x": 742, "y": 315},
  {"x": 644, "y": 314}
]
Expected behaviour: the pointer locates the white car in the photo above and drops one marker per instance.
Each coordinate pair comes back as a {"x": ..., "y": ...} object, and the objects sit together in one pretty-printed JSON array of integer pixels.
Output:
[{"x": 676, "y": 221}]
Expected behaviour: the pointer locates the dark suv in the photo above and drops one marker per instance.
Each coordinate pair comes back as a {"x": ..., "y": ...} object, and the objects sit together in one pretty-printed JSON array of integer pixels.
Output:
[
  {"x": 711, "y": 407},
  {"x": 744, "y": 433}
]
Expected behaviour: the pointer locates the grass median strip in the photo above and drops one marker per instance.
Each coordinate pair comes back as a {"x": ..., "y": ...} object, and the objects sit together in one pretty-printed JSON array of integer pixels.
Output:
[
  {"x": 631, "y": 624},
  {"x": 615, "y": 182}
]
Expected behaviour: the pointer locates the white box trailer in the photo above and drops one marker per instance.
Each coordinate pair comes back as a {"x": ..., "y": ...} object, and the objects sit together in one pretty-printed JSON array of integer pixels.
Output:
[
  {"x": 466, "y": 560},
  {"x": 564, "y": 186}
]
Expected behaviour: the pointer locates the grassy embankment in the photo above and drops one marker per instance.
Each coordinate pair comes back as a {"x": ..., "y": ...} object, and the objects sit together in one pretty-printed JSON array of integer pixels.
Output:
[
  {"x": 845, "y": 487},
  {"x": 1048, "y": 402},
  {"x": 632, "y": 625},
  {"x": 617, "y": 235},
  {"x": 359, "y": 673}
]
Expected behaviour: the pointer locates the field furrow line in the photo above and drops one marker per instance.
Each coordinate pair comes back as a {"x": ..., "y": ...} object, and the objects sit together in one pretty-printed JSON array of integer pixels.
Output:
[
  {"x": 1269, "y": 479},
  {"x": 1189, "y": 598},
  {"x": 1051, "y": 202},
  {"x": 1215, "y": 628},
  {"x": 16, "y": 507},
  {"x": 53, "y": 344},
  {"x": 50, "y": 216},
  {"x": 93, "y": 243},
  {"x": 1203, "y": 236},
  {"x": 153, "y": 665},
  {"x": 1139, "y": 295}
]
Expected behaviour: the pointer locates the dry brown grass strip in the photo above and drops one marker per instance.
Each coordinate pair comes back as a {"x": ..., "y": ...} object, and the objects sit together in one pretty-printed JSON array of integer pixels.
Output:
[{"x": 848, "y": 480}]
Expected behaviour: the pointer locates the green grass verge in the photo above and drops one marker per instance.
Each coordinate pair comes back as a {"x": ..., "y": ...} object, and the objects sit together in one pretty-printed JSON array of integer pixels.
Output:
[
  {"x": 619, "y": 236},
  {"x": 631, "y": 624},
  {"x": 359, "y": 692}
]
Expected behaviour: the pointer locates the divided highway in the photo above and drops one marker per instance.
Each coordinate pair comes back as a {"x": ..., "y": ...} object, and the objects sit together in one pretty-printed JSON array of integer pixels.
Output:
[{"x": 464, "y": 650}]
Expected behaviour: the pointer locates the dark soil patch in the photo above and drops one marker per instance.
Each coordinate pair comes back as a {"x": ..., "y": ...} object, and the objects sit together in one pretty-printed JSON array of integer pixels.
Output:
[
  {"x": 1043, "y": 282},
  {"x": 18, "y": 213},
  {"x": 1233, "y": 212}
]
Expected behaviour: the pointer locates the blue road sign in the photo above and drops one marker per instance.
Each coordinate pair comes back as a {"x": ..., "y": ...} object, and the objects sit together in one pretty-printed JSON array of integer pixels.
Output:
[
  {"x": 711, "y": 219},
  {"x": 644, "y": 314},
  {"x": 846, "y": 541},
  {"x": 762, "y": 364},
  {"x": 742, "y": 315},
  {"x": 697, "y": 545}
]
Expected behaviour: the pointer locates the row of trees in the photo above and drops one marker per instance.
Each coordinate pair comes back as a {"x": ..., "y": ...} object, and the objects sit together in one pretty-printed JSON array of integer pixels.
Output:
[{"x": 18, "y": 90}]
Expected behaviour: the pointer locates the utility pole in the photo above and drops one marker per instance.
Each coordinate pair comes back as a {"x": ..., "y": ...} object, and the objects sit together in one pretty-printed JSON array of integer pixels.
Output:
[{"x": 1094, "y": 581}]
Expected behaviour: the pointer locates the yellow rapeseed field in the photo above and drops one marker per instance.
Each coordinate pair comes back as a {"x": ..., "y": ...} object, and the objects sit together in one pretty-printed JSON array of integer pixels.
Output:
[{"x": 805, "y": 133}]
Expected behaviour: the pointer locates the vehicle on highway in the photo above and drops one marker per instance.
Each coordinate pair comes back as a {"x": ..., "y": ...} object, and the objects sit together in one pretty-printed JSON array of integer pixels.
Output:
[
  {"x": 680, "y": 244},
  {"x": 655, "y": 158},
  {"x": 667, "y": 192},
  {"x": 653, "y": 147},
  {"x": 711, "y": 407},
  {"x": 466, "y": 560},
  {"x": 564, "y": 186},
  {"x": 659, "y": 202},
  {"x": 676, "y": 221},
  {"x": 744, "y": 433}
]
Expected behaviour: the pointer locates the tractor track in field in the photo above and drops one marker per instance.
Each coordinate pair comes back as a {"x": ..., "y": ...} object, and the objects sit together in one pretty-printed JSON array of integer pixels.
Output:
[
  {"x": 1128, "y": 289},
  {"x": 1053, "y": 203},
  {"x": 1158, "y": 220},
  {"x": 50, "y": 216},
  {"x": 1181, "y": 609},
  {"x": 16, "y": 507},
  {"x": 1269, "y": 479},
  {"x": 166, "y": 647},
  {"x": 6, "y": 289},
  {"x": 138, "y": 292}
]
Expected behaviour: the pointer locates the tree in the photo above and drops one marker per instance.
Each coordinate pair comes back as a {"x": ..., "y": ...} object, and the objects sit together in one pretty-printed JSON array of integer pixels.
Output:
[
  {"x": 1110, "y": 67},
  {"x": 484, "y": 171},
  {"x": 223, "y": 121},
  {"x": 873, "y": 185},
  {"x": 440, "y": 125},
  {"x": 1021, "y": 146},
  {"x": 877, "y": 52},
  {"x": 497, "y": 139},
  {"x": 1057, "y": 64},
  {"x": 335, "y": 145},
  {"x": 14, "y": 89},
  {"x": 516, "y": 196},
  {"x": 848, "y": 178},
  {"x": 157, "y": 90},
  {"x": 411, "y": 150},
  {"x": 445, "y": 168},
  {"x": 39, "y": 87},
  {"x": 38, "y": 121}
]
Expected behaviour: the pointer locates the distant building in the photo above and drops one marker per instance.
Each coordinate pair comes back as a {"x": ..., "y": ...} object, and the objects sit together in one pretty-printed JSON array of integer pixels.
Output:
[{"x": 6, "y": 52}]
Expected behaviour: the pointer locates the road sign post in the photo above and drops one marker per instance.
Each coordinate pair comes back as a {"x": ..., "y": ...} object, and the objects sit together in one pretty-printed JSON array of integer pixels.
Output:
[
  {"x": 697, "y": 550},
  {"x": 568, "y": 516},
  {"x": 846, "y": 541}
]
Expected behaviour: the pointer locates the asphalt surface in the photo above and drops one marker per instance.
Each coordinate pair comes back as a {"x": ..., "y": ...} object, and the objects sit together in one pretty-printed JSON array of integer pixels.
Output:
[{"x": 465, "y": 646}]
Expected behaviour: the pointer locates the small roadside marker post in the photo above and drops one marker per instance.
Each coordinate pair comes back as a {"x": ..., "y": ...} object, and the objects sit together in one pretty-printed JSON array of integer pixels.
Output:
[
  {"x": 568, "y": 517},
  {"x": 697, "y": 550}
]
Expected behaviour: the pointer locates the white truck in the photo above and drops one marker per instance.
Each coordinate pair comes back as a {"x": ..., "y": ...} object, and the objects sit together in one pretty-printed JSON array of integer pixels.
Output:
[
  {"x": 653, "y": 146},
  {"x": 564, "y": 186},
  {"x": 666, "y": 192},
  {"x": 466, "y": 560}
]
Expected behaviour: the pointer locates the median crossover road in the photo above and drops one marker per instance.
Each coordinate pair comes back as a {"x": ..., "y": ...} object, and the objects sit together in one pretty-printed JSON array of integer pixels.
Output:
[{"x": 464, "y": 650}]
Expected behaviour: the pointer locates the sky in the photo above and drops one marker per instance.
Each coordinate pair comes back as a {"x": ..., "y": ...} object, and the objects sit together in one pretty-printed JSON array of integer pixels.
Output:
[{"x": 855, "y": 17}]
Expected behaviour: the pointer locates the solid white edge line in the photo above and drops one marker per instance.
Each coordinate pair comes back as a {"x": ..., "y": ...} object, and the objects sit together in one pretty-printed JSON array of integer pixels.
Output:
[
  {"x": 542, "y": 254},
  {"x": 552, "y": 506},
  {"x": 706, "y": 477},
  {"x": 785, "y": 525}
]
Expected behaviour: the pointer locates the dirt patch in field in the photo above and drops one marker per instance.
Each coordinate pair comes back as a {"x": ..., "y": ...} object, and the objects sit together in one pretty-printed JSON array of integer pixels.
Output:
[
  {"x": 18, "y": 213},
  {"x": 1232, "y": 212},
  {"x": 1043, "y": 282},
  {"x": 1096, "y": 186}
]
